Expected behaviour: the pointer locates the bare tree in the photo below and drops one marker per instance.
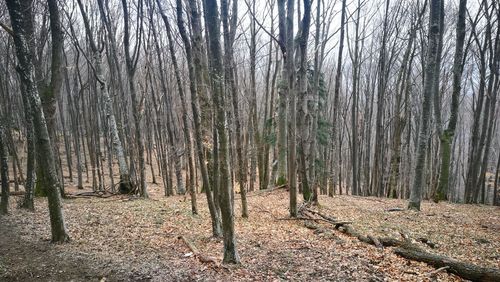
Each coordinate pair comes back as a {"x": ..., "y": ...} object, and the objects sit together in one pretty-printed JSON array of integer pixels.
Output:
[
  {"x": 193, "y": 88},
  {"x": 431, "y": 74},
  {"x": 448, "y": 135},
  {"x": 125, "y": 184},
  {"x": 216, "y": 73},
  {"x": 19, "y": 12},
  {"x": 131, "y": 64}
]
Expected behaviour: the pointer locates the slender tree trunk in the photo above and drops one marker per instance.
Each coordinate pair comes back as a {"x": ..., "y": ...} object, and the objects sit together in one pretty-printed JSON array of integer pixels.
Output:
[
  {"x": 125, "y": 183},
  {"x": 216, "y": 223},
  {"x": 185, "y": 129},
  {"x": 29, "y": 184},
  {"x": 4, "y": 172},
  {"x": 404, "y": 83},
  {"x": 378, "y": 157},
  {"x": 229, "y": 28},
  {"x": 287, "y": 44},
  {"x": 336, "y": 95}
]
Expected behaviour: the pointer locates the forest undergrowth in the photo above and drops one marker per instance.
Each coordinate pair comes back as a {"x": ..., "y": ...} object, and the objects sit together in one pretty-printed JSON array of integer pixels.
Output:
[{"x": 126, "y": 238}]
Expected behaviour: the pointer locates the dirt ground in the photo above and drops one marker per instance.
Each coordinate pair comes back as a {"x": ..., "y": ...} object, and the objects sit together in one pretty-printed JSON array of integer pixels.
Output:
[{"x": 127, "y": 239}]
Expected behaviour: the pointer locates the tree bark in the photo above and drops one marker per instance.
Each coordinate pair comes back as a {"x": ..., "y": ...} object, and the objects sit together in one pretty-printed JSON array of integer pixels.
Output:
[
  {"x": 131, "y": 63},
  {"x": 464, "y": 270},
  {"x": 431, "y": 73},
  {"x": 216, "y": 223},
  {"x": 303, "y": 102},
  {"x": 4, "y": 172},
  {"x": 19, "y": 12},
  {"x": 447, "y": 136},
  {"x": 226, "y": 189},
  {"x": 125, "y": 183}
]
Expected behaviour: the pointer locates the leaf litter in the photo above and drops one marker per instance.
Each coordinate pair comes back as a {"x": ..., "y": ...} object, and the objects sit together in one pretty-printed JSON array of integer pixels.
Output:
[{"x": 127, "y": 239}]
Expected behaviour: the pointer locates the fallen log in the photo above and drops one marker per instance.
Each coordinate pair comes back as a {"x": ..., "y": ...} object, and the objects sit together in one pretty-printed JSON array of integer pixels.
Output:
[
  {"x": 427, "y": 242},
  {"x": 196, "y": 253},
  {"x": 326, "y": 217},
  {"x": 99, "y": 194},
  {"x": 383, "y": 241},
  {"x": 464, "y": 270},
  {"x": 190, "y": 245},
  {"x": 339, "y": 223},
  {"x": 395, "y": 209},
  {"x": 376, "y": 241},
  {"x": 405, "y": 248}
]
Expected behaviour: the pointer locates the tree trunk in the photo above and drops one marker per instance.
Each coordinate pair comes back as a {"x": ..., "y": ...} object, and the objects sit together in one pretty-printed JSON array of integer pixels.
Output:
[
  {"x": 19, "y": 12},
  {"x": 447, "y": 137},
  {"x": 216, "y": 224},
  {"x": 125, "y": 183},
  {"x": 4, "y": 172},
  {"x": 496, "y": 201},
  {"x": 303, "y": 102},
  {"x": 29, "y": 184},
  {"x": 131, "y": 63},
  {"x": 185, "y": 129},
  {"x": 431, "y": 73},
  {"x": 226, "y": 189}
]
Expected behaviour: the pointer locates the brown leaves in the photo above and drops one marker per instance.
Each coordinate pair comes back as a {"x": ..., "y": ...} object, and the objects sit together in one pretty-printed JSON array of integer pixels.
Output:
[{"x": 140, "y": 237}]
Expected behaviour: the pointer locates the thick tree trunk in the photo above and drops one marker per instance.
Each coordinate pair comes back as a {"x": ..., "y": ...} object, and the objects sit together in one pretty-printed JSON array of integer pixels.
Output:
[
  {"x": 303, "y": 102},
  {"x": 226, "y": 189},
  {"x": 431, "y": 73},
  {"x": 19, "y": 11}
]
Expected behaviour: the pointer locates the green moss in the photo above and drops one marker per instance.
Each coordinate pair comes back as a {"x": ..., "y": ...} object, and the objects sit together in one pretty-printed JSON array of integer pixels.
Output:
[
  {"x": 281, "y": 180},
  {"x": 40, "y": 187},
  {"x": 442, "y": 189}
]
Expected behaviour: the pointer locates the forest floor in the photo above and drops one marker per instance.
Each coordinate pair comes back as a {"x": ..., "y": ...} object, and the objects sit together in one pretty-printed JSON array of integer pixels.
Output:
[{"x": 122, "y": 238}]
